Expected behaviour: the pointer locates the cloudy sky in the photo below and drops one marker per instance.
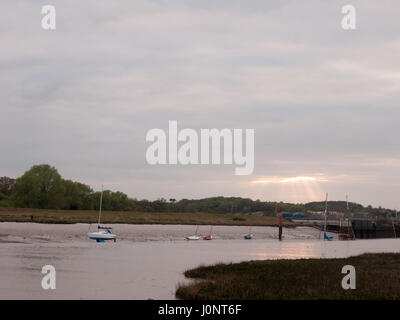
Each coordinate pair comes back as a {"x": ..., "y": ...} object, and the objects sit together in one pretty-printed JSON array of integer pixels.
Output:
[{"x": 324, "y": 102}]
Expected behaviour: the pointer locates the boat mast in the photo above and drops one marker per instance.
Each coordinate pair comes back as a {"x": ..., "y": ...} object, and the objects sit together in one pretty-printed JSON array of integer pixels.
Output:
[
  {"x": 326, "y": 211},
  {"x": 101, "y": 201}
]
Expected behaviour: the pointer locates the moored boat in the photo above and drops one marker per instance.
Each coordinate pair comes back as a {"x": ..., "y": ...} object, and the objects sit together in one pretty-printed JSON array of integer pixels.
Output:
[
  {"x": 249, "y": 235},
  {"x": 195, "y": 236},
  {"x": 345, "y": 236},
  {"x": 103, "y": 233},
  {"x": 192, "y": 238},
  {"x": 326, "y": 237},
  {"x": 208, "y": 236}
]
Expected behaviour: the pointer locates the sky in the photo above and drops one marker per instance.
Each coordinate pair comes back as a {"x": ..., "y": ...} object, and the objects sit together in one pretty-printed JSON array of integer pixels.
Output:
[{"x": 323, "y": 101}]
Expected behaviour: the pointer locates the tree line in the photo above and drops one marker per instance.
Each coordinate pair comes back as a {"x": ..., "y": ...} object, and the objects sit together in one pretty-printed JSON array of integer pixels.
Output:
[{"x": 43, "y": 187}]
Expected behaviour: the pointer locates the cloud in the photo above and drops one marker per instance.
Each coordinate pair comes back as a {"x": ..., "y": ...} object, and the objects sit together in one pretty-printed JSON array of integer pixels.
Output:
[{"x": 320, "y": 99}]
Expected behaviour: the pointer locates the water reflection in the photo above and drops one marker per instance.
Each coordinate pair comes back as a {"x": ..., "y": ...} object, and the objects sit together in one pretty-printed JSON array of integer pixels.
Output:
[{"x": 143, "y": 270}]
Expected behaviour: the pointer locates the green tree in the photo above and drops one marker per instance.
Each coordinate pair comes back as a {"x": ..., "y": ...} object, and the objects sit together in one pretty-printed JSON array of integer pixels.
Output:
[
  {"x": 77, "y": 196},
  {"x": 112, "y": 201},
  {"x": 6, "y": 185},
  {"x": 40, "y": 187}
]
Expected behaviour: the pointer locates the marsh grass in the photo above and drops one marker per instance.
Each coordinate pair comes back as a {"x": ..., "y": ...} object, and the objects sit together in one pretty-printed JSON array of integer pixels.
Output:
[
  {"x": 70, "y": 216},
  {"x": 377, "y": 277}
]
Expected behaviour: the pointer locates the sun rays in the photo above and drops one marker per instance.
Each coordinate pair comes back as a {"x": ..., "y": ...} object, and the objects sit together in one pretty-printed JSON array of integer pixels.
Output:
[{"x": 296, "y": 189}]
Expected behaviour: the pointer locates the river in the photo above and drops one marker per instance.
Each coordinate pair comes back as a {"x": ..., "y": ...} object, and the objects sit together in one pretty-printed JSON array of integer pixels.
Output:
[{"x": 147, "y": 261}]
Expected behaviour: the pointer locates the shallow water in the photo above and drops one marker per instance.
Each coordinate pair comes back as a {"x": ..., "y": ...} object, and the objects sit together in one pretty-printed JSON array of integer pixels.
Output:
[{"x": 147, "y": 262}]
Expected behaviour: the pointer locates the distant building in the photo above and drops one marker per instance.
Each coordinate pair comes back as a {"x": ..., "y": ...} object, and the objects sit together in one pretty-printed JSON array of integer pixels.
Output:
[
  {"x": 294, "y": 215},
  {"x": 330, "y": 213}
]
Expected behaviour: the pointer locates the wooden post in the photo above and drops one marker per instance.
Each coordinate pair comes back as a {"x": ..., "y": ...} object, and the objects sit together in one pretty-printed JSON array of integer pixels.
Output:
[{"x": 280, "y": 224}]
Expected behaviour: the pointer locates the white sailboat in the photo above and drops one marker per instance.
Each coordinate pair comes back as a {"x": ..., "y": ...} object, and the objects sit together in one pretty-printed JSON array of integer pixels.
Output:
[
  {"x": 195, "y": 237},
  {"x": 326, "y": 237},
  {"x": 104, "y": 233}
]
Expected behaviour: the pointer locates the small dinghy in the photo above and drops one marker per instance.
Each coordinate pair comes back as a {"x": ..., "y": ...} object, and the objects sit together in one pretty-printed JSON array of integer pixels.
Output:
[
  {"x": 103, "y": 233},
  {"x": 248, "y": 236},
  {"x": 326, "y": 237},
  {"x": 345, "y": 236},
  {"x": 209, "y": 236}
]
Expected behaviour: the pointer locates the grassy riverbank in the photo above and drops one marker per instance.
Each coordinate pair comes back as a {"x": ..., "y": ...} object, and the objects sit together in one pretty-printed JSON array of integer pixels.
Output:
[
  {"x": 377, "y": 277},
  {"x": 66, "y": 216}
]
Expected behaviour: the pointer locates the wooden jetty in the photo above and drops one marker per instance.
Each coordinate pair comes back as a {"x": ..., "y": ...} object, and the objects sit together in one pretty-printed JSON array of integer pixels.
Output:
[{"x": 359, "y": 228}]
